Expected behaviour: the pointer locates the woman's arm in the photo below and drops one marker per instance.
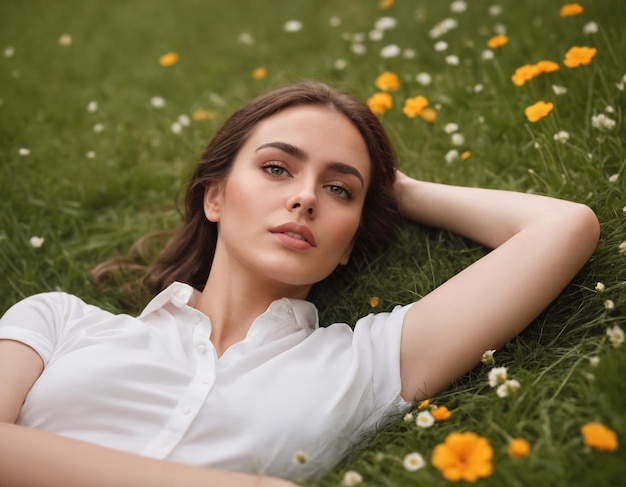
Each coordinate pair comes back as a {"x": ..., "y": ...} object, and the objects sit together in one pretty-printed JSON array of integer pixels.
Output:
[
  {"x": 539, "y": 244},
  {"x": 30, "y": 457}
]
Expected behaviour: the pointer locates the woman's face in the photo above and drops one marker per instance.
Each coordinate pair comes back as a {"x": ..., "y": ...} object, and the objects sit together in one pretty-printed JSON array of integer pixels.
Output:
[{"x": 291, "y": 205}]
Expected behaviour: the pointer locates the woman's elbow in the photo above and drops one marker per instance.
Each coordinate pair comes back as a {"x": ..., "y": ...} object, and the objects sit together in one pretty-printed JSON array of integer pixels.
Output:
[{"x": 585, "y": 227}]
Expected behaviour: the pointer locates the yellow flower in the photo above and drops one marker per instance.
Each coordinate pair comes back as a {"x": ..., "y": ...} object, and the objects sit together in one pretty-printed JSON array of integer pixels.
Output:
[
  {"x": 547, "y": 66},
  {"x": 385, "y": 4},
  {"x": 424, "y": 404},
  {"x": 201, "y": 114},
  {"x": 466, "y": 155},
  {"x": 576, "y": 56},
  {"x": 538, "y": 110},
  {"x": 414, "y": 106},
  {"x": 570, "y": 9},
  {"x": 598, "y": 436},
  {"x": 497, "y": 41},
  {"x": 387, "y": 81},
  {"x": 374, "y": 301},
  {"x": 379, "y": 103},
  {"x": 463, "y": 456},
  {"x": 259, "y": 73},
  {"x": 518, "y": 448},
  {"x": 525, "y": 73},
  {"x": 429, "y": 115},
  {"x": 168, "y": 59},
  {"x": 441, "y": 413}
]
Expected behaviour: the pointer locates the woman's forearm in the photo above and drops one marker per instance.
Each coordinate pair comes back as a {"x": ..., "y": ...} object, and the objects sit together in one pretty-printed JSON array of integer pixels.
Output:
[
  {"x": 30, "y": 457},
  {"x": 489, "y": 217}
]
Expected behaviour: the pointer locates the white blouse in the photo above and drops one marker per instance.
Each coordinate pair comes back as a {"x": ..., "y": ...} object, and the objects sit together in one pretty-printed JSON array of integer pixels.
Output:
[{"x": 153, "y": 384}]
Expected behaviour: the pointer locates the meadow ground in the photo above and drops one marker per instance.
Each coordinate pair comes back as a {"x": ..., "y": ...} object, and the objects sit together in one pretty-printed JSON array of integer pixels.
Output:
[{"x": 98, "y": 134}]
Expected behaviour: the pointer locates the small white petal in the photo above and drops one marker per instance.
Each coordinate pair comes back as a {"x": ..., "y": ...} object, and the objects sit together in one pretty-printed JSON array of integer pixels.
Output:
[
  {"x": 450, "y": 128},
  {"x": 457, "y": 139},
  {"x": 92, "y": 106},
  {"x": 351, "y": 478},
  {"x": 392, "y": 50},
  {"x": 590, "y": 28},
  {"x": 334, "y": 21},
  {"x": 23, "y": 151},
  {"x": 157, "y": 102},
  {"x": 424, "y": 419},
  {"x": 441, "y": 46},
  {"x": 36, "y": 242},
  {"x": 292, "y": 26},
  {"x": 341, "y": 64},
  {"x": 495, "y": 10},
  {"x": 376, "y": 35},
  {"x": 559, "y": 90},
  {"x": 452, "y": 60},
  {"x": 487, "y": 55},
  {"x": 458, "y": 6},
  {"x": 385, "y": 23},
  {"x": 424, "y": 79},
  {"x": 90, "y": 155},
  {"x": 359, "y": 49},
  {"x": 184, "y": 120},
  {"x": 246, "y": 38},
  {"x": 413, "y": 462},
  {"x": 9, "y": 51}
]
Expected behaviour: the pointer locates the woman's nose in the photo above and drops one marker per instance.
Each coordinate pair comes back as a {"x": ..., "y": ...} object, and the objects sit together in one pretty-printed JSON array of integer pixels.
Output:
[{"x": 304, "y": 201}]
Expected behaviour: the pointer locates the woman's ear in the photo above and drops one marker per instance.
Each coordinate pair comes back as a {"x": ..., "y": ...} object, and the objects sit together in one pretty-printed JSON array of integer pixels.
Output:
[{"x": 212, "y": 201}]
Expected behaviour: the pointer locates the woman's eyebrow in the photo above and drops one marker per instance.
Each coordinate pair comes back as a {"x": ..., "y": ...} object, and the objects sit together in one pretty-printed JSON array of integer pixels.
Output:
[{"x": 301, "y": 154}]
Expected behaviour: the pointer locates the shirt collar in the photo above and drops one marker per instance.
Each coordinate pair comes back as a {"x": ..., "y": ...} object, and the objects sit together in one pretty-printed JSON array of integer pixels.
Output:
[{"x": 295, "y": 312}]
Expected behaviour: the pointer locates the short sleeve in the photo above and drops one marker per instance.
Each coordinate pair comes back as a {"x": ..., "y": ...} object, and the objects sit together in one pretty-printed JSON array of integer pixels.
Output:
[
  {"x": 39, "y": 321},
  {"x": 378, "y": 337}
]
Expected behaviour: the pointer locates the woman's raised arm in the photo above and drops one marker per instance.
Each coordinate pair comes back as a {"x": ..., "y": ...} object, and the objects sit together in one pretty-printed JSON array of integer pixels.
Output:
[
  {"x": 30, "y": 457},
  {"x": 539, "y": 244}
]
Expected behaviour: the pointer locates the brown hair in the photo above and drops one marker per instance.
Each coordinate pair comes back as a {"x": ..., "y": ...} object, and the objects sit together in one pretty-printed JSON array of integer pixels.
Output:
[{"x": 189, "y": 254}]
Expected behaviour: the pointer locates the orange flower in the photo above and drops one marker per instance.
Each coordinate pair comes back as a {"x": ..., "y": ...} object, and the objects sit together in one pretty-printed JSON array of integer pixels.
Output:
[
  {"x": 441, "y": 413},
  {"x": 424, "y": 404},
  {"x": 429, "y": 115},
  {"x": 414, "y": 106},
  {"x": 466, "y": 155},
  {"x": 497, "y": 41},
  {"x": 577, "y": 56},
  {"x": 385, "y": 4},
  {"x": 570, "y": 9},
  {"x": 538, "y": 110},
  {"x": 168, "y": 59},
  {"x": 379, "y": 103},
  {"x": 525, "y": 73},
  {"x": 387, "y": 81},
  {"x": 547, "y": 66},
  {"x": 463, "y": 456},
  {"x": 201, "y": 114},
  {"x": 518, "y": 448},
  {"x": 374, "y": 301},
  {"x": 259, "y": 73},
  {"x": 598, "y": 436},
  {"x": 530, "y": 71}
]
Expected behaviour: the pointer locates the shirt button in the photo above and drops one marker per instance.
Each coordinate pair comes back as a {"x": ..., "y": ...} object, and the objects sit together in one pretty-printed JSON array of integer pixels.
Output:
[
  {"x": 206, "y": 380},
  {"x": 202, "y": 349},
  {"x": 186, "y": 411}
]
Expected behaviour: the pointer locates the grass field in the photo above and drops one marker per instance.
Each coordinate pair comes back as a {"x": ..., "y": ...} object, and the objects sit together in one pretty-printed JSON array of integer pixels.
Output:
[{"x": 90, "y": 161}]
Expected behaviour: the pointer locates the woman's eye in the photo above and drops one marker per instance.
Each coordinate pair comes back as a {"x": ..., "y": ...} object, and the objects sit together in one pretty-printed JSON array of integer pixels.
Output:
[
  {"x": 340, "y": 191},
  {"x": 275, "y": 170}
]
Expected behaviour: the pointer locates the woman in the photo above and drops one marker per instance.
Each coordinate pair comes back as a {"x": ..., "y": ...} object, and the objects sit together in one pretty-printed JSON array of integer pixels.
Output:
[{"x": 226, "y": 368}]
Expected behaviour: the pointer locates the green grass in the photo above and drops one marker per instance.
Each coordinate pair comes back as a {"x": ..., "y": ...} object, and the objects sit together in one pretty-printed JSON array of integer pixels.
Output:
[{"x": 90, "y": 209}]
